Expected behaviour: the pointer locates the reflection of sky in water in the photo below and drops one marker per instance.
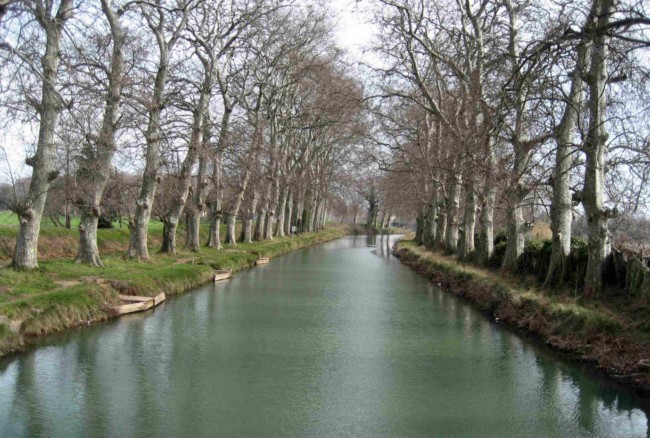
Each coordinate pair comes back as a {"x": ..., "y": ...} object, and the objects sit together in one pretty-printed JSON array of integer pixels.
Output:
[{"x": 339, "y": 340}]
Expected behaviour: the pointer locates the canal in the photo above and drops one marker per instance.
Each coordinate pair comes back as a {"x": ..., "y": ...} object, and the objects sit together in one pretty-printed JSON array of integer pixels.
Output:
[{"x": 339, "y": 340}]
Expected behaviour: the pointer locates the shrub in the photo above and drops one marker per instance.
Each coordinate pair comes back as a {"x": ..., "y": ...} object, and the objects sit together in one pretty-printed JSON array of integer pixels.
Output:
[
  {"x": 535, "y": 258},
  {"x": 104, "y": 222},
  {"x": 500, "y": 240},
  {"x": 577, "y": 263}
]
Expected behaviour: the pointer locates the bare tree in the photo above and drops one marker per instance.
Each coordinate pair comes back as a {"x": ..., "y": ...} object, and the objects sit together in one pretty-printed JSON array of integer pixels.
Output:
[
  {"x": 167, "y": 25},
  {"x": 30, "y": 211},
  {"x": 95, "y": 163}
]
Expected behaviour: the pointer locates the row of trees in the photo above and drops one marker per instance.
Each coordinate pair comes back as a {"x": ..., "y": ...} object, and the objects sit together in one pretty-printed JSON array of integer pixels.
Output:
[
  {"x": 488, "y": 111},
  {"x": 224, "y": 109}
]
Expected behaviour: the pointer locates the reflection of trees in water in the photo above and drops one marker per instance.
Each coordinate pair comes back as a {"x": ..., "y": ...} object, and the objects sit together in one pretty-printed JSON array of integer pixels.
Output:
[
  {"x": 94, "y": 407},
  {"x": 147, "y": 414},
  {"x": 27, "y": 403},
  {"x": 383, "y": 246},
  {"x": 570, "y": 394}
]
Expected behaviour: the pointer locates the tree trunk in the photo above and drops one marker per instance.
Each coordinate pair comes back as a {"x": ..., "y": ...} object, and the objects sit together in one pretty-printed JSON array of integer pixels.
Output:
[
  {"x": 273, "y": 205},
  {"x": 279, "y": 224},
  {"x": 247, "y": 230},
  {"x": 193, "y": 221},
  {"x": 487, "y": 207},
  {"x": 169, "y": 236},
  {"x": 561, "y": 206},
  {"x": 306, "y": 209},
  {"x": 419, "y": 229},
  {"x": 430, "y": 224},
  {"x": 230, "y": 229},
  {"x": 215, "y": 203},
  {"x": 373, "y": 206},
  {"x": 196, "y": 206},
  {"x": 515, "y": 195},
  {"x": 259, "y": 225},
  {"x": 269, "y": 225},
  {"x": 288, "y": 214},
  {"x": 43, "y": 163},
  {"x": 88, "y": 251},
  {"x": 441, "y": 232},
  {"x": 595, "y": 150},
  {"x": 516, "y": 238},
  {"x": 469, "y": 223},
  {"x": 94, "y": 168},
  {"x": 214, "y": 240},
  {"x": 314, "y": 214},
  {"x": 239, "y": 198},
  {"x": 173, "y": 213},
  {"x": 232, "y": 214},
  {"x": 451, "y": 236},
  {"x": 321, "y": 219},
  {"x": 139, "y": 223}
]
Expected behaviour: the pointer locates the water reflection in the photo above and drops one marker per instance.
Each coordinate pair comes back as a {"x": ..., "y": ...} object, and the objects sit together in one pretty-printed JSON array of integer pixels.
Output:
[{"x": 339, "y": 340}]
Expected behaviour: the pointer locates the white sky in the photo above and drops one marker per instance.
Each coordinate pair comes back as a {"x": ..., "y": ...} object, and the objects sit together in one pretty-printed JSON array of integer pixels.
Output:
[
  {"x": 353, "y": 30},
  {"x": 14, "y": 147}
]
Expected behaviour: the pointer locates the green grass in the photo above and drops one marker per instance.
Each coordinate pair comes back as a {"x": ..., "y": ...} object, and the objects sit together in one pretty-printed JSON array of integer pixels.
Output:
[
  {"x": 62, "y": 293},
  {"x": 57, "y": 242},
  {"x": 8, "y": 218}
]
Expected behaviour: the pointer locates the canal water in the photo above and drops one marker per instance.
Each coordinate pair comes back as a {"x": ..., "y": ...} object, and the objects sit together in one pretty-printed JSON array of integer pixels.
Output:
[{"x": 339, "y": 340}]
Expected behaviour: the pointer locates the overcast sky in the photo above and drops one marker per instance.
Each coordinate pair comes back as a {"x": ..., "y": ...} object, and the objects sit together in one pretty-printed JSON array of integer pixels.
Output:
[{"x": 353, "y": 31}]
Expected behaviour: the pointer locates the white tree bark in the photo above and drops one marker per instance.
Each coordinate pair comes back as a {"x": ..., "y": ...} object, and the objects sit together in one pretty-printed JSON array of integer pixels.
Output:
[
  {"x": 30, "y": 211},
  {"x": 596, "y": 148},
  {"x": 561, "y": 204},
  {"x": 139, "y": 222},
  {"x": 94, "y": 169}
]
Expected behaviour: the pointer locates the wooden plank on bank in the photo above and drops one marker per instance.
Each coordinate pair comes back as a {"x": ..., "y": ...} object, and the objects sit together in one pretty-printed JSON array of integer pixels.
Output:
[
  {"x": 137, "y": 303},
  {"x": 134, "y": 298},
  {"x": 221, "y": 274},
  {"x": 134, "y": 307}
]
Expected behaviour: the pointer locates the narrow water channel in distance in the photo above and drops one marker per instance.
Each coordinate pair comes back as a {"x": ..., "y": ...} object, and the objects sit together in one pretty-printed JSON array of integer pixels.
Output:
[{"x": 331, "y": 341}]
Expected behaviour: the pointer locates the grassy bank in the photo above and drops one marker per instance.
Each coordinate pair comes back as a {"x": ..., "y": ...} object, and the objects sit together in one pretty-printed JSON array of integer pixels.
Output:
[
  {"x": 604, "y": 336},
  {"x": 63, "y": 294},
  {"x": 58, "y": 242}
]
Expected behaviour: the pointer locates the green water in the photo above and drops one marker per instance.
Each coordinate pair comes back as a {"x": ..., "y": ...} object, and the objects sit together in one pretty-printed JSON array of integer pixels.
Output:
[{"x": 334, "y": 341}]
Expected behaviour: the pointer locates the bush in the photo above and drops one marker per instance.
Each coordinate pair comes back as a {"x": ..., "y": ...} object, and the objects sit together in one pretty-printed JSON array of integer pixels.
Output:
[
  {"x": 500, "y": 237},
  {"x": 536, "y": 258},
  {"x": 104, "y": 222},
  {"x": 500, "y": 241},
  {"x": 577, "y": 263}
]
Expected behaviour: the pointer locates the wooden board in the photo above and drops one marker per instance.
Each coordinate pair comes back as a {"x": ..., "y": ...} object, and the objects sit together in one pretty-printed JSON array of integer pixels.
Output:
[
  {"x": 262, "y": 261},
  {"x": 135, "y": 298},
  {"x": 134, "y": 307},
  {"x": 159, "y": 298},
  {"x": 137, "y": 303},
  {"x": 221, "y": 275}
]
